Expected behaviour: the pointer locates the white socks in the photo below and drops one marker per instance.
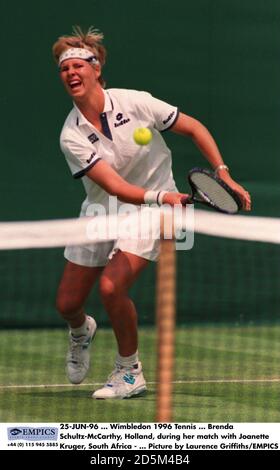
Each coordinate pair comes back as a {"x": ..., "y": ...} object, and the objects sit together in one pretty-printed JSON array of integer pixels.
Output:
[
  {"x": 82, "y": 330},
  {"x": 128, "y": 361}
]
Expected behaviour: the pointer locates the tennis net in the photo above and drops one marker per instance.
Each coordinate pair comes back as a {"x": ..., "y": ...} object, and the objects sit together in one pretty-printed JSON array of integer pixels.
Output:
[
  {"x": 229, "y": 277},
  {"x": 230, "y": 274}
]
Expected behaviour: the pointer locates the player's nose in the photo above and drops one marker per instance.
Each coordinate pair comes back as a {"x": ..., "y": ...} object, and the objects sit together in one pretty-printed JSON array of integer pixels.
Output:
[{"x": 70, "y": 72}]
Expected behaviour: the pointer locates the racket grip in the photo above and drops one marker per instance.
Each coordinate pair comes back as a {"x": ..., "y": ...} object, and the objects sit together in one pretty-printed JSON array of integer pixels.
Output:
[{"x": 186, "y": 200}]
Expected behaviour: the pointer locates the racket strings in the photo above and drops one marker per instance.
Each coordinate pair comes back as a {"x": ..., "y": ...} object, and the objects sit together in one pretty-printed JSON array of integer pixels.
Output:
[{"x": 212, "y": 192}]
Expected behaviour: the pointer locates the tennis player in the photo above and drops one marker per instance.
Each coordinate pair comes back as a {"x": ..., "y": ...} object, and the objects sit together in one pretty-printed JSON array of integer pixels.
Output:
[{"x": 97, "y": 142}]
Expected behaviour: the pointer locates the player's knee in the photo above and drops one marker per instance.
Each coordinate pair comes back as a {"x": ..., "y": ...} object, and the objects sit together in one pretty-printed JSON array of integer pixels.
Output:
[
  {"x": 67, "y": 306},
  {"x": 109, "y": 290}
]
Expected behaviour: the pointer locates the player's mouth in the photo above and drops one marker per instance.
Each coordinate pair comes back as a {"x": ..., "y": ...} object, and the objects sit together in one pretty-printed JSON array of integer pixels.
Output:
[{"x": 74, "y": 84}]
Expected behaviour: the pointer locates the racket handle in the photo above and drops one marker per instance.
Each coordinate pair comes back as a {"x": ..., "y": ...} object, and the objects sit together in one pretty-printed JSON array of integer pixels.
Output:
[{"x": 186, "y": 200}]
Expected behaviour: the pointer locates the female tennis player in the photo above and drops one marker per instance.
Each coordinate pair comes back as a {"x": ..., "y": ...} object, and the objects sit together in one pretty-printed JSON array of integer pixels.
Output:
[{"x": 97, "y": 142}]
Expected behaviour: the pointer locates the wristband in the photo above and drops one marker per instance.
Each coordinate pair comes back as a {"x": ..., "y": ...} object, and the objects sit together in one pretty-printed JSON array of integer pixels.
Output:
[
  {"x": 154, "y": 197},
  {"x": 150, "y": 197},
  {"x": 160, "y": 197}
]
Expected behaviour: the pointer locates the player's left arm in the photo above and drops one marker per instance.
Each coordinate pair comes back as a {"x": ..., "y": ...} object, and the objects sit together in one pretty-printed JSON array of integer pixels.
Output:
[
  {"x": 188, "y": 126},
  {"x": 191, "y": 127}
]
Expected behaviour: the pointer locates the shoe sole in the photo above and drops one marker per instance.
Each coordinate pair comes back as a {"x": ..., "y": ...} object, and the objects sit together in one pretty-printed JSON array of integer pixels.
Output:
[{"x": 132, "y": 394}]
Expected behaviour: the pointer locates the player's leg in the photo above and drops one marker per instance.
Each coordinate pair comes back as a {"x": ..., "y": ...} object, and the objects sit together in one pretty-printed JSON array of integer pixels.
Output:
[
  {"x": 118, "y": 276},
  {"x": 74, "y": 288}
]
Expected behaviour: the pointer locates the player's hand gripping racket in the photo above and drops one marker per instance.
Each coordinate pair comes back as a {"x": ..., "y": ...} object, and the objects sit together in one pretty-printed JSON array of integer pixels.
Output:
[{"x": 212, "y": 191}]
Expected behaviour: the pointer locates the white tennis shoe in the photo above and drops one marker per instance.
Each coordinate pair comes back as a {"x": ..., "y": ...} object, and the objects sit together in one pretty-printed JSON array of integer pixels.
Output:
[
  {"x": 78, "y": 355},
  {"x": 123, "y": 383}
]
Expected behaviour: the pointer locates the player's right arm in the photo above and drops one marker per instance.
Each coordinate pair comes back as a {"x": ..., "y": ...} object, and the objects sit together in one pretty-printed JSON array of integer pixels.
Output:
[
  {"x": 84, "y": 160},
  {"x": 109, "y": 180}
]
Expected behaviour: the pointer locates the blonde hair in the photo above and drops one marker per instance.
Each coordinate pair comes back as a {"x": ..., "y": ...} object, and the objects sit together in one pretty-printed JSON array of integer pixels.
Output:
[{"x": 91, "y": 40}]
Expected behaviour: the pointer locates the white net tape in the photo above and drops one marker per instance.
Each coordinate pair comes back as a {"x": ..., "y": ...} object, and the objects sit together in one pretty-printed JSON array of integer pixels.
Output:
[
  {"x": 56, "y": 233},
  {"x": 241, "y": 227}
]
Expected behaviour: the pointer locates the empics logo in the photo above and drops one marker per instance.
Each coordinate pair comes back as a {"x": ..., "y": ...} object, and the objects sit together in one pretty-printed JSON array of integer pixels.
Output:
[
  {"x": 32, "y": 434},
  {"x": 15, "y": 432}
]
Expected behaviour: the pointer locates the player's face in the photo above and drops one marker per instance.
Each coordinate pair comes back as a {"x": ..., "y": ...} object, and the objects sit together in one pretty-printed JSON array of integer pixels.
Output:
[{"x": 78, "y": 77}]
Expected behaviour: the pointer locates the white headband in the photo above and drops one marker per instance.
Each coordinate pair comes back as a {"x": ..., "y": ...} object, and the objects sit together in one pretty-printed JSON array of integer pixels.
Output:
[{"x": 78, "y": 53}]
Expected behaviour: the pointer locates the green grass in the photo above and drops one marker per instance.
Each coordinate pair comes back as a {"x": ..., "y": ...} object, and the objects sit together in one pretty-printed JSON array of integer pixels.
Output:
[{"x": 223, "y": 374}]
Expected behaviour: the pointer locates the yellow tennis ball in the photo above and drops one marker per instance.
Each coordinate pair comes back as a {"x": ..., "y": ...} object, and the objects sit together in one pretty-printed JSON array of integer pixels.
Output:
[{"x": 142, "y": 135}]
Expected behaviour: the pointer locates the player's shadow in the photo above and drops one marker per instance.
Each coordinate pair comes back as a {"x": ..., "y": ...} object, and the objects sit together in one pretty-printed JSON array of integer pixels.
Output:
[
  {"x": 64, "y": 394},
  {"x": 60, "y": 394}
]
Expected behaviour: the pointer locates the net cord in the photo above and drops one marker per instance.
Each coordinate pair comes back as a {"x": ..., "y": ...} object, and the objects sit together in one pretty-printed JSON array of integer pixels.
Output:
[{"x": 58, "y": 233}]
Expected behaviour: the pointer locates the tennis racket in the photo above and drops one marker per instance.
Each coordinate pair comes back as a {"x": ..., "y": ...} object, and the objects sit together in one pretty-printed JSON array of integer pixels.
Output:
[{"x": 210, "y": 190}]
